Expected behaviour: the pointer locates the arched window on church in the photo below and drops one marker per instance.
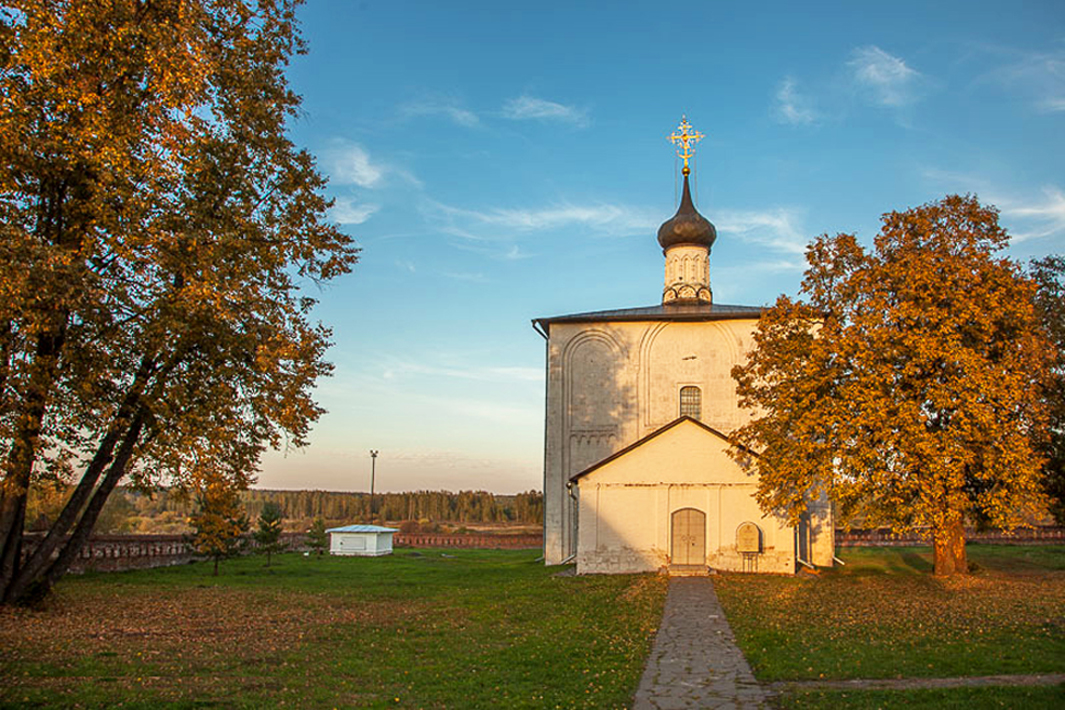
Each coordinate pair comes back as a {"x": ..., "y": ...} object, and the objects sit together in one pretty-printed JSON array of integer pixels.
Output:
[{"x": 691, "y": 402}]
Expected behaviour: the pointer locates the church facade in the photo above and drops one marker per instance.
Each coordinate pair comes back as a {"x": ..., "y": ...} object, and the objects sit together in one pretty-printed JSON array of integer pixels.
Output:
[{"x": 639, "y": 405}]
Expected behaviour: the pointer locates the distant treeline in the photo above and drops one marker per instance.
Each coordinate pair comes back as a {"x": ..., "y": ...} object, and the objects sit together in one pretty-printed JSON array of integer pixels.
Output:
[
  {"x": 167, "y": 511},
  {"x": 434, "y": 506}
]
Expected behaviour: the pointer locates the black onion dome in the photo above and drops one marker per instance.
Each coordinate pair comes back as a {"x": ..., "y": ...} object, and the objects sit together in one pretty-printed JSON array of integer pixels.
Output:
[{"x": 687, "y": 226}]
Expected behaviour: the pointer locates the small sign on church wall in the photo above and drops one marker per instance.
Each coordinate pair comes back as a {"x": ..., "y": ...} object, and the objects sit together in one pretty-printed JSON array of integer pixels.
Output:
[{"x": 748, "y": 538}]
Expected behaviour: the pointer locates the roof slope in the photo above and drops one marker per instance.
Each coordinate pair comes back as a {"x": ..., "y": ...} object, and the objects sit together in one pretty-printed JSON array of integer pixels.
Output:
[
  {"x": 640, "y": 442},
  {"x": 362, "y": 529},
  {"x": 692, "y": 312}
]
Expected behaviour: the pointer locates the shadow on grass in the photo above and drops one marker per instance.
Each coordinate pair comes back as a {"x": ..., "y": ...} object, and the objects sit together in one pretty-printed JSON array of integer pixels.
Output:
[
  {"x": 915, "y": 561},
  {"x": 918, "y": 560},
  {"x": 1018, "y": 559},
  {"x": 880, "y": 561}
]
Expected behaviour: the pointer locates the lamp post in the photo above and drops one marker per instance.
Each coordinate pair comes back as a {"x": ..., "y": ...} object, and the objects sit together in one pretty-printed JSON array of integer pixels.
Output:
[{"x": 373, "y": 472}]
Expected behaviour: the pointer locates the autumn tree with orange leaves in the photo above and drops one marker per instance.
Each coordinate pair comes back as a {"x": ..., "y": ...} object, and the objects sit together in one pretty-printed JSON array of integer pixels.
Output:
[
  {"x": 157, "y": 228},
  {"x": 219, "y": 523},
  {"x": 1049, "y": 275},
  {"x": 905, "y": 383}
]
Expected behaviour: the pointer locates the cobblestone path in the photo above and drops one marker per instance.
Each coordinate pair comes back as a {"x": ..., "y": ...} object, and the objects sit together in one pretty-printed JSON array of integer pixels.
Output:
[{"x": 695, "y": 662}]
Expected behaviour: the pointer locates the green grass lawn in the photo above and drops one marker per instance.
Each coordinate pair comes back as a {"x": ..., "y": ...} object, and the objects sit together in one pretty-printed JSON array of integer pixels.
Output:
[
  {"x": 883, "y": 615},
  {"x": 491, "y": 629},
  {"x": 469, "y": 629}
]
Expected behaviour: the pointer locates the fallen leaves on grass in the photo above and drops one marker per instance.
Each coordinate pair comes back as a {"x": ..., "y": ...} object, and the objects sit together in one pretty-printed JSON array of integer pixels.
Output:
[
  {"x": 174, "y": 634},
  {"x": 844, "y": 626}
]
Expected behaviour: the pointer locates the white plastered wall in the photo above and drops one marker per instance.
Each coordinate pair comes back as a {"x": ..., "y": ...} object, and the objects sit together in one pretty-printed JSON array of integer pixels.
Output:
[
  {"x": 364, "y": 544},
  {"x": 609, "y": 384},
  {"x": 626, "y": 507}
]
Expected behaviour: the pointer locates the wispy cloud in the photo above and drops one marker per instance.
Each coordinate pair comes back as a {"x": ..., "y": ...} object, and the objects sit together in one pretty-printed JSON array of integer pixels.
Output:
[
  {"x": 1040, "y": 217},
  {"x": 489, "y": 409},
  {"x": 491, "y": 247},
  {"x": 450, "y": 109},
  {"x": 399, "y": 368},
  {"x": 527, "y": 107},
  {"x": 514, "y": 254},
  {"x": 346, "y": 211},
  {"x": 1028, "y": 215},
  {"x": 615, "y": 219},
  {"x": 886, "y": 79},
  {"x": 793, "y": 107},
  {"x": 776, "y": 228},
  {"x": 1040, "y": 75},
  {"x": 351, "y": 164}
]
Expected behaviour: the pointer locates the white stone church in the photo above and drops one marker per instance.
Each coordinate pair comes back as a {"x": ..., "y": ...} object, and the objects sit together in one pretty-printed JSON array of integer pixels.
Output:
[{"x": 639, "y": 405}]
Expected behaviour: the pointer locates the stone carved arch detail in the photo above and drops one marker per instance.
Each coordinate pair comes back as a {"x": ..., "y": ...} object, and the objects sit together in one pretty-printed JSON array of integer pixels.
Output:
[
  {"x": 591, "y": 408},
  {"x": 723, "y": 335},
  {"x": 643, "y": 368},
  {"x": 593, "y": 334}
]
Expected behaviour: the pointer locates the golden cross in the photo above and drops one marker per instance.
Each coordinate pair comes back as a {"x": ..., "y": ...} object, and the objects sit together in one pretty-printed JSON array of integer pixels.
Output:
[{"x": 686, "y": 139}]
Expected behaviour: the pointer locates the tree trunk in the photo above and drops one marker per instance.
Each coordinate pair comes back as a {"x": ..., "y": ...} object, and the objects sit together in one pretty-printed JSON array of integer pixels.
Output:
[
  {"x": 115, "y": 473},
  {"x": 215, "y": 566},
  {"x": 104, "y": 455},
  {"x": 23, "y": 451},
  {"x": 39, "y": 582},
  {"x": 949, "y": 549},
  {"x": 42, "y": 556}
]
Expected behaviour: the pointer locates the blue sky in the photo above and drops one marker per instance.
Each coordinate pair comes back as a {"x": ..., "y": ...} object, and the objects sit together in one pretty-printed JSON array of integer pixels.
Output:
[{"x": 499, "y": 162}]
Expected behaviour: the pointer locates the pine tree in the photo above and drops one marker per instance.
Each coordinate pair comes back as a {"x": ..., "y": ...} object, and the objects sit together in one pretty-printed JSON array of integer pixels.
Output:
[
  {"x": 317, "y": 537},
  {"x": 269, "y": 533}
]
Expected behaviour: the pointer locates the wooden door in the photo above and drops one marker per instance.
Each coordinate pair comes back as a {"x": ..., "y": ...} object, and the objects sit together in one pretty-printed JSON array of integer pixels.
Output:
[{"x": 689, "y": 537}]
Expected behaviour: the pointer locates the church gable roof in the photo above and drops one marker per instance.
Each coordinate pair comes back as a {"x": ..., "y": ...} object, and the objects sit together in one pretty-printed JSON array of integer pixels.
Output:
[
  {"x": 640, "y": 443},
  {"x": 692, "y": 312}
]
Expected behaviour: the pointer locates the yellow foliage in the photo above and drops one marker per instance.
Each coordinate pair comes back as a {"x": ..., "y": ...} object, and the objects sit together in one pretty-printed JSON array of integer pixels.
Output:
[
  {"x": 908, "y": 386},
  {"x": 156, "y": 226}
]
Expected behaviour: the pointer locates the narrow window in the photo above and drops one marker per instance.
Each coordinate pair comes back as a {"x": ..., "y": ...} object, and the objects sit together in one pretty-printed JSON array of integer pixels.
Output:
[{"x": 691, "y": 400}]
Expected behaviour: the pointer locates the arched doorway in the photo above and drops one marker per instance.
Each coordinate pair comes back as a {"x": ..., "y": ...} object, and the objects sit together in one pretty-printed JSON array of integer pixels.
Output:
[{"x": 689, "y": 537}]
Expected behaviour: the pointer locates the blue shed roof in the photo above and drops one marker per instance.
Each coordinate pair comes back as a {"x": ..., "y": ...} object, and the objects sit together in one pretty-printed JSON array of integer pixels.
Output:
[{"x": 363, "y": 529}]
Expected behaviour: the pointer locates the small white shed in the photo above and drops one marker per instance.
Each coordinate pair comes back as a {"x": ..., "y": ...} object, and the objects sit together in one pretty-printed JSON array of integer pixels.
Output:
[{"x": 361, "y": 540}]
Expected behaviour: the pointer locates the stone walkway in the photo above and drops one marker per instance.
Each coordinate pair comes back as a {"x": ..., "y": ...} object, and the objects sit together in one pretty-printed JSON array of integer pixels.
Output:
[{"x": 695, "y": 662}]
